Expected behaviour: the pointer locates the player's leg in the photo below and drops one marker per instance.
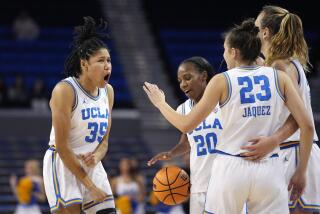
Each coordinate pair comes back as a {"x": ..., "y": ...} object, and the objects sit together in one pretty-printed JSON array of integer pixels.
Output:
[
  {"x": 268, "y": 192},
  {"x": 310, "y": 200},
  {"x": 73, "y": 209},
  {"x": 107, "y": 211},
  {"x": 99, "y": 176},
  {"x": 229, "y": 185},
  {"x": 299, "y": 211}
]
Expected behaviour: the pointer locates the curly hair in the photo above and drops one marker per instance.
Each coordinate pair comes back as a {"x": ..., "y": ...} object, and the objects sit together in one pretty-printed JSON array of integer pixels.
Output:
[{"x": 88, "y": 39}]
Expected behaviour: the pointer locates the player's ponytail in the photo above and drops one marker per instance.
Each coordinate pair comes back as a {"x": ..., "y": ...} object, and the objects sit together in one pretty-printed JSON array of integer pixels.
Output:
[
  {"x": 287, "y": 35},
  {"x": 88, "y": 38}
]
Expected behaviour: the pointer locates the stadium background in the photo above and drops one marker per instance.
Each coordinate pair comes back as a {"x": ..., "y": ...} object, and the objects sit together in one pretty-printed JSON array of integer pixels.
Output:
[{"x": 148, "y": 39}]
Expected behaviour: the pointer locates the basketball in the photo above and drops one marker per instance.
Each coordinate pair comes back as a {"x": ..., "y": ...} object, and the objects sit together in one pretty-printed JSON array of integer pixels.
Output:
[{"x": 171, "y": 185}]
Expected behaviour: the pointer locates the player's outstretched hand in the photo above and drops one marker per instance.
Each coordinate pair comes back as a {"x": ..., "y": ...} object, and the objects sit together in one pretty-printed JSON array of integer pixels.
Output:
[
  {"x": 259, "y": 147},
  {"x": 297, "y": 185},
  {"x": 160, "y": 156},
  {"x": 156, "y": 95},
  {"x": 88, "y": 159}
]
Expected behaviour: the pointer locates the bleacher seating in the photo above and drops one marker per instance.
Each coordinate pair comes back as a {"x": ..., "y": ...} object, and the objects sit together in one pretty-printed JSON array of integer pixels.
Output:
[
  {"x": 14, "y": 152},
  {"x": 182, "y": 44},
  {"x": 44, "y": 58}
]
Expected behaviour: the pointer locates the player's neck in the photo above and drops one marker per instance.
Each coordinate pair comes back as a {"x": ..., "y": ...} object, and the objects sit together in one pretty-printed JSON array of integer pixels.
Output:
[
  {"x": 245, "y": 64},
  {"x": 87, "y": 85}
]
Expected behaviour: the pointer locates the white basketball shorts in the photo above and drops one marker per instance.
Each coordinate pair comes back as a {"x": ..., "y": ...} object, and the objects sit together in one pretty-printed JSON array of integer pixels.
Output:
[
  {"x": 63, "y": 189},
  {"x": 235, "y": 182}
]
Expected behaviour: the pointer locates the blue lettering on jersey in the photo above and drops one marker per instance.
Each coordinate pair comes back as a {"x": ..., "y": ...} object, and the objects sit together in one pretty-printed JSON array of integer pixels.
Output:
[
  {"x": 206, "y": 144},
  {"x": 94, "y": 112},
  {"x": 216, "y": 125},
  {"x": 255, "y": 111},
  {"x": 97, "y": 131},
  {"x": 246, "y": 94}
]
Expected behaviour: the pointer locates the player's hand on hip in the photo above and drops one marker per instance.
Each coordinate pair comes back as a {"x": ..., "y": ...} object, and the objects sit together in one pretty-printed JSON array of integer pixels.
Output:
[
  {"x": 297, "y": 184},
  {"x": 258, "y": 148},
  {"x": 156, "y": 95},
  {"x": 88, "y": 159},
  {"x": 160, "y": 156},
  {"x": 97, "y": 194}
]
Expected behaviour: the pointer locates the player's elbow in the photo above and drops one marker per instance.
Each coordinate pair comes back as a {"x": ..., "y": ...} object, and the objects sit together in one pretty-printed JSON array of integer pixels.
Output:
[
  {"x": 308, "y": 128},
  {"x": 185, "y": 128}
]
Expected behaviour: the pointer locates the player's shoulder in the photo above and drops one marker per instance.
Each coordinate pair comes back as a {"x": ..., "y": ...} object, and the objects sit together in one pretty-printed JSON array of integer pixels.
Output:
[
  {"x": 63, "y": 90},
  {"x": 182, "y": 107},
  {"x": 282, "y": 65},
  {"x": 63, "y": 87},
  {"x": 109, "y": 88}
]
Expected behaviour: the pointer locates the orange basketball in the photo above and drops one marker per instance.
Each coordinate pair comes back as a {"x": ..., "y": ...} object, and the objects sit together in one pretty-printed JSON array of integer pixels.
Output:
[{"x": 171, "y": 185}]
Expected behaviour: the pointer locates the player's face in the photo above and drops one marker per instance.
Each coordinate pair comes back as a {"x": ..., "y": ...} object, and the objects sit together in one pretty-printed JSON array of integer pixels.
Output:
[
  {"x": 258, "y": 24},
  {"x": 263, "y": 33},
  {"x": 228, "y": 56},
  {"x": 99, "y": 68},
  {"x": 192, "y": 82}
]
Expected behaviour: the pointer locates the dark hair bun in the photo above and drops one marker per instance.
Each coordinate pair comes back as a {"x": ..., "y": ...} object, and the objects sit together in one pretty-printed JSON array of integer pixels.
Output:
[
  {"x": 249, "y": 26},
  {"x": 89, "y": 30}
]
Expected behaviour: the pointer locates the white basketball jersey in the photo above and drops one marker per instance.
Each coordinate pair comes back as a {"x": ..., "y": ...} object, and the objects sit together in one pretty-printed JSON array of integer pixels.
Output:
[
  {"x": 253, "y": 107},
  {"x": 89, "y": 119},
  {"x": 304, "y": 91},
  {"x": 203, "y": 141}
]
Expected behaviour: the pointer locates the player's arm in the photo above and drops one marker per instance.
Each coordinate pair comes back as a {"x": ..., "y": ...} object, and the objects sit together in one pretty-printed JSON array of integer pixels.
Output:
[
  {"x": 181, "y": 148},
  {"x": 102, "y": 149},
  {"x": 90, "y": 159},
  {"x": 299, "y": 112},
  {"x": 262, "y": 145},
  {"x": 199, "y": 112},
  {"x": 61, "y": 107},
  {"x": 290, "y": 126}
]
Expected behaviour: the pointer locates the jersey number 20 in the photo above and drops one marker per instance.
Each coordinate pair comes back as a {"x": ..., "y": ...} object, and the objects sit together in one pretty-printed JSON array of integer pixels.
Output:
[{"x": 210, "y": 140}]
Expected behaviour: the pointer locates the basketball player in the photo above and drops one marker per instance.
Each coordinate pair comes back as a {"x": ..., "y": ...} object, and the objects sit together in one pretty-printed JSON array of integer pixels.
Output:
[
  {"x": 251, "y": 99},
  {"x": 81, "y": 107},
  {"x": 193, "y": 75},
  {"x": 285, "y": 48}
]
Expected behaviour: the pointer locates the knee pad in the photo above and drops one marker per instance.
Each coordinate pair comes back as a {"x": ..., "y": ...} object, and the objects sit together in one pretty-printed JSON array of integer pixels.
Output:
[{"x": 107, "y": 211}]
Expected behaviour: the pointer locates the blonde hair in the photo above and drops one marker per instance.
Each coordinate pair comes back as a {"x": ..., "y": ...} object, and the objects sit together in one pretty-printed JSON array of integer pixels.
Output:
[
  {"x": 34, "y": 165},
  {"x": 287, "y": 35}
]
